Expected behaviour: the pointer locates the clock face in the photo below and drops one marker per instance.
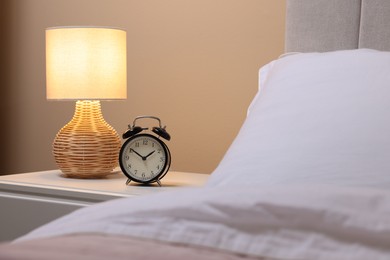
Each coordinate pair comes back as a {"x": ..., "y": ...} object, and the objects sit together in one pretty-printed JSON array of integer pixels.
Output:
[{"x": 144, "y": 158}]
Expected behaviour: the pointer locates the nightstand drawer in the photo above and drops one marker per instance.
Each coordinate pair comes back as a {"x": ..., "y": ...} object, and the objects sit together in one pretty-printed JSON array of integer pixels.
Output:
[
  {"x": 29, "y": 200},
  {"x": 21, "y": 214}
]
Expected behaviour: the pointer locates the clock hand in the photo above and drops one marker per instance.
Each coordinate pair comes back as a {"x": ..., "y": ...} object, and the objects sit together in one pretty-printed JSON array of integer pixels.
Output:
[
  {"x": 131, "y": 149},
  {"x": 149, "y": 154},
  {"x": 143, "y": 157}
]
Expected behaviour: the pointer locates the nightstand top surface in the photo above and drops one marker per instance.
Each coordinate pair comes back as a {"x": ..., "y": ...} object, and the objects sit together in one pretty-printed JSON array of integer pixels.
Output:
[{"x": 53, "y": 183}]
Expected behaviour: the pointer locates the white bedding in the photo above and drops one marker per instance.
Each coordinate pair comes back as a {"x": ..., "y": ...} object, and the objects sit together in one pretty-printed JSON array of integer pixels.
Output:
[
  {"x": 282, "y": 222},
  {"x": 318, "y": 118}
]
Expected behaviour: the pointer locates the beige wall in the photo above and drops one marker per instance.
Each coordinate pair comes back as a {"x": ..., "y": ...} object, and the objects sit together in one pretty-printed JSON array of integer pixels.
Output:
[{"x": 193, "y": 63}]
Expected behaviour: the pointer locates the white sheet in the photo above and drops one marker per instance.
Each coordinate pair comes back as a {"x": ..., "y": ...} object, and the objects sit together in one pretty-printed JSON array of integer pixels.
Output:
[{"x": 296, "y": 222}]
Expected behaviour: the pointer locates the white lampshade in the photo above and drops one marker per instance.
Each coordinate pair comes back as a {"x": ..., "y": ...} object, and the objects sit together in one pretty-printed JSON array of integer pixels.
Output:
[{"x": 86, "y": 63}]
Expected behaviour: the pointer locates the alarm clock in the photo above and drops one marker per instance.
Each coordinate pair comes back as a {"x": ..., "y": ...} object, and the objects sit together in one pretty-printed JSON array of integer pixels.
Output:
[{"x": 144, "y": 157}]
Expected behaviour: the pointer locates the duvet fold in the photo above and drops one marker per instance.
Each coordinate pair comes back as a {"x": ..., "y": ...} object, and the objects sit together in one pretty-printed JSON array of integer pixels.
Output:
[{"x": 282, "y": 222}]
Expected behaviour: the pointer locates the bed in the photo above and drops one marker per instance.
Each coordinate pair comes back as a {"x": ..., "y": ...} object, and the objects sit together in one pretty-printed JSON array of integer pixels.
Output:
[{"x": 307, "y": 177}]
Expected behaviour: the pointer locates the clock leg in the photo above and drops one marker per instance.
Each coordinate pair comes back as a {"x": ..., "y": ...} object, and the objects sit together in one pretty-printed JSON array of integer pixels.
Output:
[
  {"x": 128, "y": 181},
  {"x": 159, "y": 183}
]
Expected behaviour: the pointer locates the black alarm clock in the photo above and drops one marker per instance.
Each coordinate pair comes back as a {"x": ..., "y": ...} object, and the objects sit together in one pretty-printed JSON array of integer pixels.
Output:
[{"x": 144, "y": 157}]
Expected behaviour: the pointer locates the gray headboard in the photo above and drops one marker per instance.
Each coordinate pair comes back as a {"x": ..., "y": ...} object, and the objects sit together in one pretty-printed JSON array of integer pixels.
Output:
[{"x": 326, "y": 25}]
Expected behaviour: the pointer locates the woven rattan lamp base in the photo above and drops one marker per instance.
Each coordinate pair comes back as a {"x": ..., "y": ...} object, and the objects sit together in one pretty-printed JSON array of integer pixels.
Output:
[{"x": 87, "y": 147}]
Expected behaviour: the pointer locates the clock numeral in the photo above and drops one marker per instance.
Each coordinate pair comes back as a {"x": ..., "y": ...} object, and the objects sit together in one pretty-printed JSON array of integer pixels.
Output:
[
  {"x": 135, "y": 171},
  {"x": 127, "y": 157},
  {"x": 158, "y": 167},
  {"x": 158, "y": 151},
  {"x": 161, "y": 159},
  {"x": 145, "y": 142},
  {"x": 137, "y": 144},
  {"x": 129, "y": 166},
  {"x": 143, "y": 175},
  {"x": 152, "y": 144}
]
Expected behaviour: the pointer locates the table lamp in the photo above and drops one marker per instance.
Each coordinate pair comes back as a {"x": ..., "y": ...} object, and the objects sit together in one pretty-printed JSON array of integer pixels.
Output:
[{"x": 86, "y": 64}]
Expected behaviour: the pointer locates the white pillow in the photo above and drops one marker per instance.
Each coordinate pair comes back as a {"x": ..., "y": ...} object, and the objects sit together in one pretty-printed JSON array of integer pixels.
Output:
[
  {"x": 318, "y": 118},
  {"x": 263, "y": 73}
]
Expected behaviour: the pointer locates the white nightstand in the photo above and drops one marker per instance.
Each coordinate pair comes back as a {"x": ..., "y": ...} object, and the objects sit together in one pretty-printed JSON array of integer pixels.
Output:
[{"x": 29, "y": 200}]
